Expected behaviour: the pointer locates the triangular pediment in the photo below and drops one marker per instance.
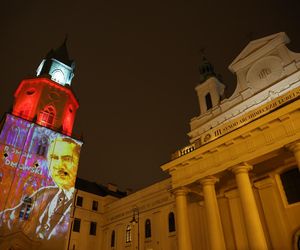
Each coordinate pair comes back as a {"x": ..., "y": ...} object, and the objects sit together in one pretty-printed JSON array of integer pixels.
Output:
[{"x": 257, "y": 45}]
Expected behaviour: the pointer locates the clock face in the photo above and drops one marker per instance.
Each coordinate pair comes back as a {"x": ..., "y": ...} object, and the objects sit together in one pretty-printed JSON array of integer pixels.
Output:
[{"x": 58, "y": 76}]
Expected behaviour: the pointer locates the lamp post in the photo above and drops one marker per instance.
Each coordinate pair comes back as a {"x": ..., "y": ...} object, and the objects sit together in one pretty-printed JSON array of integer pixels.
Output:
[{"x": 136, "y": 219}]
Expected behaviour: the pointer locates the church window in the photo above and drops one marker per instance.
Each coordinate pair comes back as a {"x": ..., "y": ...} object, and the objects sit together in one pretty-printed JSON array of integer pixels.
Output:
[
  {"x": 93, "y": 228},
  {"x": 128, "y": 234},
  {"x": 95, "y": 205},
  {"x": 171, "y": 222},
  {"x": 148, "y": 229},
  {"x": 208, "y": 101},
  {"x": 25, "y": 208},
  {"x": 291, "y": 184},
  {"x": 79, "y": 201},
  {"x": 113, "y": 239},
  {"x": 47, "y": 116},
  {"x": 76, "y": 225}
]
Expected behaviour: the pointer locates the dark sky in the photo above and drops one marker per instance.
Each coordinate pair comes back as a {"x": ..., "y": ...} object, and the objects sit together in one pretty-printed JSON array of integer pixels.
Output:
[{"x": 136, "y": 69}]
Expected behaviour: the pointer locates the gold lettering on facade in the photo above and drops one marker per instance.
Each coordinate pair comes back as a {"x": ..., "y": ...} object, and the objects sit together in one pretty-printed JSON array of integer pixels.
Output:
[{"x": 238, "y": 122}]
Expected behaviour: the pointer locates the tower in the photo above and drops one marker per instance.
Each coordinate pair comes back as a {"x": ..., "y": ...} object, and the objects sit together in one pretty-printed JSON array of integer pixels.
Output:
[
  {"x": 210, "y": 90},
  {"x": 39, "y": 158}
]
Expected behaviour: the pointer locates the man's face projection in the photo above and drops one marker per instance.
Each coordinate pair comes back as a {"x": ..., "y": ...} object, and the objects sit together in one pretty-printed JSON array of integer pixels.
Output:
[{"x": 63, "y": 158}]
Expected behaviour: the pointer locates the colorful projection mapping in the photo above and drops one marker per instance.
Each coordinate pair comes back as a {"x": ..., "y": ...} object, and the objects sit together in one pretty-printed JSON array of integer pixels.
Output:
[{"x": 38, "y": 170}]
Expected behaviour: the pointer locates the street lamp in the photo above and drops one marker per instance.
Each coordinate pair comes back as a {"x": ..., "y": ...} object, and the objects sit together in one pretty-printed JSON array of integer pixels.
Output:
[{"x": 136, "y": 219}]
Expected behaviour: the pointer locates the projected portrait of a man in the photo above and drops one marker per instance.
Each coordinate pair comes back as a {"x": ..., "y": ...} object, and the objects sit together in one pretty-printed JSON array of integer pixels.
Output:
[{"x": 44, "y": 214}]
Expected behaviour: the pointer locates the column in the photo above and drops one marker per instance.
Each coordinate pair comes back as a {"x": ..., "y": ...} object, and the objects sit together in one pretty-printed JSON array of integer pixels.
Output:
[
  {"x": 254, "y": 227},
  {"x": 215, "y": 231},
  {"x": 183, "y": 229},
  {"x": 295, "y": 148}
]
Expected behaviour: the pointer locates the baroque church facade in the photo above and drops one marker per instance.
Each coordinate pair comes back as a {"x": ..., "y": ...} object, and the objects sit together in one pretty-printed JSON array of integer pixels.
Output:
[{"x": 235, "y": 186}]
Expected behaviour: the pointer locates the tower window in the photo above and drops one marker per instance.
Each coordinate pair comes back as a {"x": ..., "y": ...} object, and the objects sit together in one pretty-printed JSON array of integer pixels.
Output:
[
  {"x": 208, "y": 101},
  {"x": 171, "y": 222},
  {"x": 76, "y": 225},
  {"x": 113, "y": 238},
  {"x": 291, "y": 184},
  {"x": 47, "y": 116},
  {"x": 93, "y": 228},
  {"x": 148, "y": 229},
  {"x": 128, "y": 234},
  {"x": 58, "y": 76}
]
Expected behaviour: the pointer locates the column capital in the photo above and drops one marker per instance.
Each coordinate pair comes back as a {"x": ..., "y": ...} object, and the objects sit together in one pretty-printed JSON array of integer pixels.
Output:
[
  {"x": 181, "y": 191},
  {"x": 294, "y": 146},
  {"x": 208, "y": 180},
  {"x": 242, "y": 168}
]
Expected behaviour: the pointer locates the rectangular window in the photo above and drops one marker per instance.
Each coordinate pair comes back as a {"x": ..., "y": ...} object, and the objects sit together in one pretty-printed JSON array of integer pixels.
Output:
[
  {"x": 95, "y": 205},
  {"x": 76, "y": 225},
  {"x": 291, "y": 184},
  {"x": 93, "y": 228},
  {"x": 79, "y": 201}
]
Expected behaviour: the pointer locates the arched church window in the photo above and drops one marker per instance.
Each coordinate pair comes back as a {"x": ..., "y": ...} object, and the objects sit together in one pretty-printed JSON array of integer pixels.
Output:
[
  {"x": 47, "y": 116},
  {"x": 171, "y": 222},
  {"x": 208, "y": 101},
  {"x": 148, "y": 229},
  {"x": 113, "y": 238},
  {"x": 128, "y": 234}
]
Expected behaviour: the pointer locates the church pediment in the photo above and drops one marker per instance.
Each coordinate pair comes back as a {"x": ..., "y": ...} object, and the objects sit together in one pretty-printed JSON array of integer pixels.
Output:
[{"x": 256, "y": 49}]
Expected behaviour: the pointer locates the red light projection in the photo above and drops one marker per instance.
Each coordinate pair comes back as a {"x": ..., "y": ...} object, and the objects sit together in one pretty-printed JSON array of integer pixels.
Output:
[{"x": 52, "y": 105}]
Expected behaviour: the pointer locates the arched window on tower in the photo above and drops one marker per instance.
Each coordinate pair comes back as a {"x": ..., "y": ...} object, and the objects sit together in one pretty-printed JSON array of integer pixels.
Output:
[
  {"x": 208, "y": 101},
  {"x": 113, "y": 239},
  {"x": 147, "y": 229},
  {"x": 171, "y": 222},
  {"x": 47, "y": 116}
]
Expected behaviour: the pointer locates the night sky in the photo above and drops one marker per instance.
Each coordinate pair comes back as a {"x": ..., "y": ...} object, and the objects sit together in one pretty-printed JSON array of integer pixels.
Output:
[{"x": 136, "y": 69}]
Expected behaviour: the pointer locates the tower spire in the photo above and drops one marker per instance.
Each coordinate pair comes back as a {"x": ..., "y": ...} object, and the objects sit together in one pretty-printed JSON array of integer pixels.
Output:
[
  {"x": 206, "y": 69},
  {"x": 58, "y": 65}
]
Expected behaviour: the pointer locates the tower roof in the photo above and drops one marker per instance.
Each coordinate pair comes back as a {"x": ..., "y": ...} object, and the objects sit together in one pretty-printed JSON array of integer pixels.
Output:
[
  {"x": 206, "y": 69},
  {"x": 61, "y": 54}
]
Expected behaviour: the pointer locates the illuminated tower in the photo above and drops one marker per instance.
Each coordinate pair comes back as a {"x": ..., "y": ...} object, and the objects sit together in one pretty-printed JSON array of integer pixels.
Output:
[
  {"x": 210, "y": 90},
  {"x": 39, "y": 158},
  {"x": 48, "y": 99}
]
